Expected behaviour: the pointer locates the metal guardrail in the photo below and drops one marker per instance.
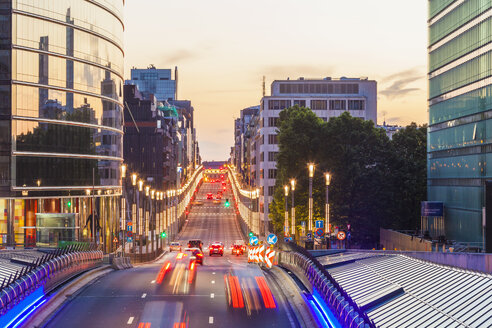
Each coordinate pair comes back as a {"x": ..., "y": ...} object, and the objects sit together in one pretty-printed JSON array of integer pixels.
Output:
[
  {"x": 48, "y": 271},
  {"x": 299, "y": 261}
]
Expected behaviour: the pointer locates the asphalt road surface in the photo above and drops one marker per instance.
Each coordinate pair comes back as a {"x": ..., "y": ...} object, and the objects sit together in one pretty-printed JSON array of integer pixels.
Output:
[{"x": 225, "y": 291}]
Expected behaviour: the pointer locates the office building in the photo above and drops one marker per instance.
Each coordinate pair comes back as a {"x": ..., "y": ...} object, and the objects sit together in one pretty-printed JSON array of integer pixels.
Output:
[
  {"x": 326, "y": 97},
  {"x": 61, "y": 121},
  {"x": 460, "y": 115},
  {"x": 157, "y": 82}
]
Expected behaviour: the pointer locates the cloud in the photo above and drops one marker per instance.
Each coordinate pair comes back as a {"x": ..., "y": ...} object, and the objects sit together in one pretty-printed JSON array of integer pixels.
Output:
[
  {"x": 182, "y": 55},
  {"x": 399, "y": 82}
]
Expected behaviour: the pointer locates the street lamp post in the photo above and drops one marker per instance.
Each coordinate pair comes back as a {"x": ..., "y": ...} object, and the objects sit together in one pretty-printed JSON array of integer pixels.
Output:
[
  {"x": 327, "y": 208},
  {"x": 123, "y": 208},
  {"x": 286, "y": 222},
  {"x": 293, "y": 215},
  {"x": 152, "y": 219},
  {"x": 146, "y": 218},
  {"x": 139, "y": 219},
  {"x": 310, "y": 217},
  {"x": 134, "y": 213}
]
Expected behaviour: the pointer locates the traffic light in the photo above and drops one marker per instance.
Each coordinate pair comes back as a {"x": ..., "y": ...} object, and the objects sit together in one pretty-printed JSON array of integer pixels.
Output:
[
  {"x": 251, "y": 234},
  {"x": 69, "y": 204},
  {"x": 163, "y": 234},
  {"x": 227, "y": 204}
]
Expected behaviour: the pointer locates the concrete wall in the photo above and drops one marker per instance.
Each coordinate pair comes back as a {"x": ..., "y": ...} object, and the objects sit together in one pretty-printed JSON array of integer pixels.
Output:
[{"x": 393, "y": 240}]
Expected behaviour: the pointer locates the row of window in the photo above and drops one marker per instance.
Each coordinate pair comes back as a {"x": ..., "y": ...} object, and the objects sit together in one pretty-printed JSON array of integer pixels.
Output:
[
  {"x": 335, "y": 104},
  {"x": 319, "y": 88},
  {"x": 272, "y": 156}
]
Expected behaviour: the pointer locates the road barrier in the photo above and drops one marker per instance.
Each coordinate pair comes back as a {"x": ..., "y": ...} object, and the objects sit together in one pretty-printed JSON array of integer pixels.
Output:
[
  {"x": 315, "y": 277},
  {"x": 48, "y": 272}
]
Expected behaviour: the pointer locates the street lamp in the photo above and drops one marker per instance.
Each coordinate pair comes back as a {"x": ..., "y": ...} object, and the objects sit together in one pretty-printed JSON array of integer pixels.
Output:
[
  {"x": 293, "y": 216},
  {"x": 286, "y": 222},
  {"x": 134, "y": 180},
  {"x": 310, "y": 217},
  {"x": 123, "y": 171},
  {"x": 327, "y": 208}
]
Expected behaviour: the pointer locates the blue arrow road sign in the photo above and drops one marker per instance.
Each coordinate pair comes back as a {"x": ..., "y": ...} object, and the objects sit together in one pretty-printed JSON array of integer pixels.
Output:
[
  {"x": 320, "y": 224},
  {"x": 287, "y": 239},
  {"x": 253, "y": 240},
  {"x": 272, "y": 239},
  {"x": 129, "y": 239},
  {"x": 309, "y": 236}
]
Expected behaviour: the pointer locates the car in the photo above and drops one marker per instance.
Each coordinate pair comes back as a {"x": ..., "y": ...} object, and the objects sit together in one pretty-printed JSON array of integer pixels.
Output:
[
  {"x": 197, "y": 254},
  {"x": 216, "y": 248},
  {"x": 218, "y": 196},
  {"x": 175, "y": 246},
  {"x": 195, "y": 243},
  {"x": 237, "y": 250},
  {"x": 210, "y": 196}
]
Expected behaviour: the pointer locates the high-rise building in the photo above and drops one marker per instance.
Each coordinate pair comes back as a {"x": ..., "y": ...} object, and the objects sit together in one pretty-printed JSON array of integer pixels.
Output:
[
  {"x": 155, "y": 81},
  {"x": 460, "y": 113},
  {"x": 61, "y": 120},
  {"x": 326, "y": 97}
]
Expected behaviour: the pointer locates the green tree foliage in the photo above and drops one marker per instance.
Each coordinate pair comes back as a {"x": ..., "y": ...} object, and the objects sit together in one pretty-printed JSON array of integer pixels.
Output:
[{"x": 367, "y": 169}]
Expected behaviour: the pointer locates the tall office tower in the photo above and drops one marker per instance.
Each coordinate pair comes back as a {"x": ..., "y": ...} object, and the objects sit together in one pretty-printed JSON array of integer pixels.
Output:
[
  {"x": 61, "y": 125},
  {"x": 460, "y": 112}
]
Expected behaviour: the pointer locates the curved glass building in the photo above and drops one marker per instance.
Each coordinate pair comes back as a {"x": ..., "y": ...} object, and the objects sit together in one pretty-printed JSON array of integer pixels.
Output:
[{"x": 61, "y": 119}]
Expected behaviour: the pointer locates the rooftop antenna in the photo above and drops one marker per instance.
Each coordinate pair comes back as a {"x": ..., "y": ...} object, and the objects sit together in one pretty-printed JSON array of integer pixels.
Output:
[{"x": 263, "y": 86}]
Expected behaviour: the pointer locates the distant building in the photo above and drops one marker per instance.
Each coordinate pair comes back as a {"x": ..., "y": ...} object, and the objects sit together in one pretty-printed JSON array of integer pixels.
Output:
[
  {"x": 390, "y": 129},
  {"x": 326, "y": 97},
  {"x": 242, "y": 136},
  {"x": 460, "y": 112},
  {"x": 157, "y": 82}
]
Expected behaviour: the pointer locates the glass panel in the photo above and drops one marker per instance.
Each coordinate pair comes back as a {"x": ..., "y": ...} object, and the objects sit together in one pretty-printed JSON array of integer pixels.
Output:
[
  {"x": 56, "y": 138},
  {"x": 75, "y": 171},
  {"x": 60, "y": 105},
  {"x": 472, "y": 39},
  {"x": 38, "y": 34},
  {"x": 456, "y": 167},
  {"x": 78, "y": 13},
  {"x": 435, "y": 6},
  {"x": 459, "y": 136},
  {"x": 471, "y": 71},
  {"x": 5, "y": 103},
  {"x": 459, "y": 16},
  {"x": 55, "y": 71}
]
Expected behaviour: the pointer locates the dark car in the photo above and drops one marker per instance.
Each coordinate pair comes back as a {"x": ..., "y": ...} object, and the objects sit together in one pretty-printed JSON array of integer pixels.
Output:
[
  {"x": 216, "y": 248},
  {"x": 237, "y": 250},
  {"x": 210, "y": 196},
  {"x": 196, "y": 254},
  {"x": 195, "y": 243}
]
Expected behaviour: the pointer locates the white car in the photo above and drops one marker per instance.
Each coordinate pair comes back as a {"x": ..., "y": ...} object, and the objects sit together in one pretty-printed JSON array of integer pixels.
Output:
[{"x": 174, "y": 246}]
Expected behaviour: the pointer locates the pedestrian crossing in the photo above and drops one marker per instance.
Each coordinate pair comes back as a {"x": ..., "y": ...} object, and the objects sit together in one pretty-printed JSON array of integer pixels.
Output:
[{"x": 212, "y": 213}]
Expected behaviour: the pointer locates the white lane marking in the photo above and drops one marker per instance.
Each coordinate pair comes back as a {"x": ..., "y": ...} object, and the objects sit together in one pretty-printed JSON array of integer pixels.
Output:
[
  {"x": 152, "y": 282},
  {"x": 130, "y": 321},
  {"x": 212, "y": 295},
  {"x": 213, "y": 281},
  {"x": 210, "y": 320},
  {"x": 144, "y": 295}
]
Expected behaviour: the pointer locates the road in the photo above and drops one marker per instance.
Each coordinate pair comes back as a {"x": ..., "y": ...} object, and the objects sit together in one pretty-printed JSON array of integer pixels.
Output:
[{"x": 142, "y": 298}]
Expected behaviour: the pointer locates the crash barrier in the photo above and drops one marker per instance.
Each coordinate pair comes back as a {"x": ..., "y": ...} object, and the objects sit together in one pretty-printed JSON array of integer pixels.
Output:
[
  {"x": 48, "y": 271},
  {"x": 312, "y": 273},
  {"x": 121, "y": 263},
  {"x": 144, "y": 257}
]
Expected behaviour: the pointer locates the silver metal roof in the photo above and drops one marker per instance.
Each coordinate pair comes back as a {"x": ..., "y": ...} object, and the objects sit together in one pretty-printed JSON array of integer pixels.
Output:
[{"x": 400, "y": 291}]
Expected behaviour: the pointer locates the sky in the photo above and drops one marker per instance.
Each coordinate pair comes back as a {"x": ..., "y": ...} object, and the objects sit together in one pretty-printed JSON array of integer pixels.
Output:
[{"x": 223, "y": 48}]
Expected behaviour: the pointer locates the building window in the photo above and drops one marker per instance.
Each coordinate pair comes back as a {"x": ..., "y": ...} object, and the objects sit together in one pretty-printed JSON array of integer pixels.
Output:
[
  {"x": 356, "y": 104},
  {"x": 272, "y": 139},
  {"x": 262, "y": 157},
  {"x": 273, "y": 121},
  {"x": 278, "y": 104},
  {"x": 261, "y": 174},
  {"x": 271, "y": 190},
  {"x": 337, "y": 104},
  {"x": 318, "y": 104},
  {"x": 272, "y": 156},
  {"x": 319, "y": 88},
  {"x": 300, "y": 102},
  {"x": 272, "y": 173}
]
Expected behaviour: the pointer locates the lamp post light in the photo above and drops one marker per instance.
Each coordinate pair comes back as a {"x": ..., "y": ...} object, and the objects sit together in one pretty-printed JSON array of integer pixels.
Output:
[
  {"x": 327, "y": 208},
  {"x": 139, "y": 218},
  {"x": 293, "y": 215},
  {"x": 146, "y": 218},
  {"x": 123, "y": 208},
  {"x": 286, "y": 222},
  {"x": 310, "y": 215}
]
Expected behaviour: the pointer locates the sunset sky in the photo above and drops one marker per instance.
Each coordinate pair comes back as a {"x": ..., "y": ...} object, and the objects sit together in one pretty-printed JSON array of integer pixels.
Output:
[{"x": 223, "y": 48}]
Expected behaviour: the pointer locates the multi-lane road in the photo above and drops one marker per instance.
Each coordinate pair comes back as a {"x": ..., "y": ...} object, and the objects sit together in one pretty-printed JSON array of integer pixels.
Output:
[{"x": 225, "y": 292}]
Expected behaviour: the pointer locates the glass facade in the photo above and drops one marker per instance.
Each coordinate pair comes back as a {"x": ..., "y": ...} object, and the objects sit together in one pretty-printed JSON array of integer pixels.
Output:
[
  {"x": 61, "y": 112},
  {"x": 460, "y": 112},
  {"x": 154, "y": 81}
]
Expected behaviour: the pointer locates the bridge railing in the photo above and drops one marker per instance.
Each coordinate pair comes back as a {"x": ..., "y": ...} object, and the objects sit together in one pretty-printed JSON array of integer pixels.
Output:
[
  {"x": 247, "y": 204},
  {"x": 315, "y": 277},
  {"x": 46, "y": 272}
]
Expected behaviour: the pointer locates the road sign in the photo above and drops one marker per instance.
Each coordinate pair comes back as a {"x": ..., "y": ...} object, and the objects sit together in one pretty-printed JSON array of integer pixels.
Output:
[
  {"x": 309, "y": 236},
  {"x": 129, "y": 239},
  {"x": 115, "y": 240},
  {"x": 129, "y": 228},
  {"x": 287, "y": 239},
  {"x": 261, "y": 253},
  {"x": 253, "y": 240},
  {"x": 319, "y": 224},
  {"x": 341, "y": 235},
  {"x": 272, "y": 239},
  {"x": 129, "y": 234},
  {"x": 320, "y": 232},
  {"x": 348, "y": 226},
  {"x": 269, "y": 255}
]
